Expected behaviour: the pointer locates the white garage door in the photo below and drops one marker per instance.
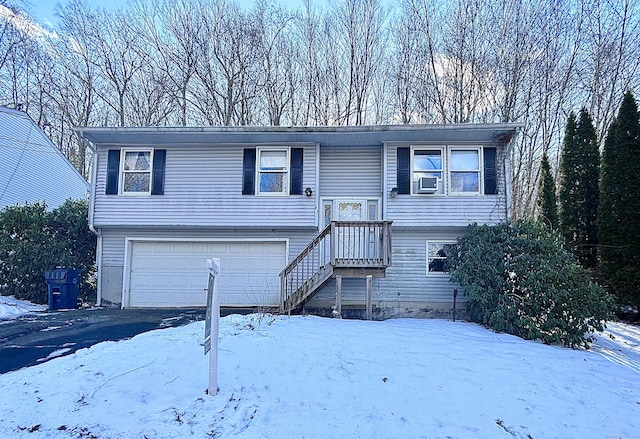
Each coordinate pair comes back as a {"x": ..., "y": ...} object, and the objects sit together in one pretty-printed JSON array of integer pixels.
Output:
[{"x": 174, "y": 274}]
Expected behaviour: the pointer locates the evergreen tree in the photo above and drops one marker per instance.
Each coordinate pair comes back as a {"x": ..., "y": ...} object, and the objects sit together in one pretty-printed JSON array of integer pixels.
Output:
[
  {"x": 578, "y": 194},
  {"x": 547, "y": 201},
  {"x": 619, "y": 211}
]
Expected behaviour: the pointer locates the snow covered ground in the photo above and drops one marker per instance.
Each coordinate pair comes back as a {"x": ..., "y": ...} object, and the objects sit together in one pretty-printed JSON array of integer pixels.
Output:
[
  {"x": 311, "y": 377},
  {"x": 12, "y": 308}
]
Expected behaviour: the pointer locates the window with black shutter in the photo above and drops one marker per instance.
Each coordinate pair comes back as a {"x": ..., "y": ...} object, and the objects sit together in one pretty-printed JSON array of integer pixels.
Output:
[{"x": 135, "y": 171}]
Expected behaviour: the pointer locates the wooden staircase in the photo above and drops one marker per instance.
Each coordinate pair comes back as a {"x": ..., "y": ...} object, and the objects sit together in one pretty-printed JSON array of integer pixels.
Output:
[{"x": 343, "y": 248}]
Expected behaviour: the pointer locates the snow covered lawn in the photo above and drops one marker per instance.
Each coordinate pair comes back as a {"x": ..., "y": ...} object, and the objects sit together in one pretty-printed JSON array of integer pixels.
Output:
[{"x": 311, "y": 377}]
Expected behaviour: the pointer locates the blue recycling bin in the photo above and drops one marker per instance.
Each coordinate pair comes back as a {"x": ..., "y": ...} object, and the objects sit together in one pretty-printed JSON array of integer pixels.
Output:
[{"x": 62, "y": 286}]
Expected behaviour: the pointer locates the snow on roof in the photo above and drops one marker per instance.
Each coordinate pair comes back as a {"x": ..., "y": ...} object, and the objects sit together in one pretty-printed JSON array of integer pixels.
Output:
[{"x": 31, "y": 167}]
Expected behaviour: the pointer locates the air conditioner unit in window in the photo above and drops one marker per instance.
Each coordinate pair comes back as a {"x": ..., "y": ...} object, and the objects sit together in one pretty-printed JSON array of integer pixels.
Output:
[{"x": 427, "y": 185}]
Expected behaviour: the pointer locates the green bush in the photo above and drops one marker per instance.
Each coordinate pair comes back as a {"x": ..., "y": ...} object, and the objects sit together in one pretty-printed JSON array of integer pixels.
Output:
[
  {"x": 33, "y": 240},
  {"x": 520, "y": 279}
]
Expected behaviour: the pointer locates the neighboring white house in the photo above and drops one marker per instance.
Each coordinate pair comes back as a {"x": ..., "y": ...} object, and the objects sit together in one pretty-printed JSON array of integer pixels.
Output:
[
  {"x": 292, "y": 212},
  {"x": 31, "y": 167}
]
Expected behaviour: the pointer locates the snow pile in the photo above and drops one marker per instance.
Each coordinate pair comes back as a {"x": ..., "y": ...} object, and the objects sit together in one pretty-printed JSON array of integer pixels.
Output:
[
  {"x": 311, "y": 377},
  {"x": 12, "y": 308}
]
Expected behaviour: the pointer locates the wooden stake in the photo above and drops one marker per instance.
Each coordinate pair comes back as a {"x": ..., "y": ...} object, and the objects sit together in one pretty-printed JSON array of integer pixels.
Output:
[{"x": 367, "y": 298}]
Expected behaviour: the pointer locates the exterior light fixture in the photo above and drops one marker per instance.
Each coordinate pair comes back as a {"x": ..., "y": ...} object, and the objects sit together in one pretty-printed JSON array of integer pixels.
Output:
[
  {"x": 308, "y": 191},
  {"x": 394, "y": 192}
]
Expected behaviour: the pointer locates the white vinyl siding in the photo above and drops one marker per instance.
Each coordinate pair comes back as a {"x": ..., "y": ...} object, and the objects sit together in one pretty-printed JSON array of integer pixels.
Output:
[
  {"x": 32, "y": 169},
  {"x": 406, "y": 280},
  {"x": 203, "y": 187},
  {"x": 351, "y": 172}
]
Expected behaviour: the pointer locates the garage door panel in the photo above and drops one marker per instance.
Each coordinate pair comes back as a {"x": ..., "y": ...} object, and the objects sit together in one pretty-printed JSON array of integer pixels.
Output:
[{"x": 174, "y": 273}]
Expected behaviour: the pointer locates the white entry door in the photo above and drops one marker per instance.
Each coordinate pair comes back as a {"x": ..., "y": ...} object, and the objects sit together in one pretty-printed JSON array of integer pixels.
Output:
[
  {"x": 349, "y": 209},
  {"x": 350, "y": 239},
  {"x": 351, "y": 242}
]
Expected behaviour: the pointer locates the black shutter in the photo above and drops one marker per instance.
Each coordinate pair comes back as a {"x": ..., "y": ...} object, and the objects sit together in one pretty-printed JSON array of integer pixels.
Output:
[
  {"x": 113, "y": 168},
  {"x": 404, "y": 170},
  {"x": 159, "y": 161},
  {"x": 490, "y": 174},
  {"x": 249, "y": 171},
  {"x": 295, "y": 187}
]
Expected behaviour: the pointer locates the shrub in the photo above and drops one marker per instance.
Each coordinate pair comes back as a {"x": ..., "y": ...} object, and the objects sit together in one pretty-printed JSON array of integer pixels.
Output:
[
  {"x": 520, "y": 279},
  {"x": 33, "y": 240}
]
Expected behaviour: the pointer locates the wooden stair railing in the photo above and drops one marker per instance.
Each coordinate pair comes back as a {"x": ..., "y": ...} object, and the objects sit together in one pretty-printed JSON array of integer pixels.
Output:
[{"x": 349, "y": 248}]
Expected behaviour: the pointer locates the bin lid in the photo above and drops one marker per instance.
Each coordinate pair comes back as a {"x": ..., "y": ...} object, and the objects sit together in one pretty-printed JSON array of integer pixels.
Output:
[{"x": 59, "y": 273}]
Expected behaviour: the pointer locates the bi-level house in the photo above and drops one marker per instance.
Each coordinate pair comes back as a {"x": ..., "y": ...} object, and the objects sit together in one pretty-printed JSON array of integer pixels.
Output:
[{"x": 296, "y": 215}]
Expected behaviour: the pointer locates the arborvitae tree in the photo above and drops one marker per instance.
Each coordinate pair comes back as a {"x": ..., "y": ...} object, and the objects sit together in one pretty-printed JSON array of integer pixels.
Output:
[
  {"x": 547, "y": 202},
  {"x": 578, "y": 194},
  {"x": 618, "y": 214}
]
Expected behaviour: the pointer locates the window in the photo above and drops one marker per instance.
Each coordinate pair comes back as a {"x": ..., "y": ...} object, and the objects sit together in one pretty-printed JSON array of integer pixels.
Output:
[
  {"x": 437, "y": 255},
  {"x": 427, "y": 164},
  {"x": 451, "y": 170},
  {"x": 464, "y": 171},
  {"x": 135, "y": 173},
  {"x": 273, "y": 171}
]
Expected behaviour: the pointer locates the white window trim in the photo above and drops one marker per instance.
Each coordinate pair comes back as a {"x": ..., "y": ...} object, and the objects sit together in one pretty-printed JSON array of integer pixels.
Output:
[
  {"x": 435, "y": 241},
  {"x": 442, "y": 181},
  {"x": 480, "y": 169},
  {"x": 121, "y": 172},
  {"x": 287, "y": 172}
]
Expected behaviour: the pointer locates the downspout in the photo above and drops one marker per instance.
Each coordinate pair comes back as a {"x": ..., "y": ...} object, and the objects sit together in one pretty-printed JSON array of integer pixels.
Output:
[{"x": 98, "y": 233}]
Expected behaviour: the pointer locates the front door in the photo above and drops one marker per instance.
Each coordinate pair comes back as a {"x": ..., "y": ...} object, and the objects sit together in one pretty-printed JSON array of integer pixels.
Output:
[
  {"x": 351, "y": 242},
  {"x": 349, "y": 209}
]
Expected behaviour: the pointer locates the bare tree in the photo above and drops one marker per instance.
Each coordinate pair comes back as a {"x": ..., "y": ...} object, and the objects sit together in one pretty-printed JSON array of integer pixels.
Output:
[
  {"x": 115, "y": 42},
  {"x": 71, "y": 85},
  {"x": 276, "y": 58},
  {"x": 322, "y": 72},
  {"x": 610, "y": 60},
  {"x": 361, "y": 25},
  {"x": 174, "y": 33},
  {"x": 226, "y": 65},
  {"x": 15, "y": 51}
]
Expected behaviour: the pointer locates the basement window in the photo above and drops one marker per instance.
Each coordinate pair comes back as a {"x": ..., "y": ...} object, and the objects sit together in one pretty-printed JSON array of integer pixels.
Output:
[{"x": 437, "y": 256}]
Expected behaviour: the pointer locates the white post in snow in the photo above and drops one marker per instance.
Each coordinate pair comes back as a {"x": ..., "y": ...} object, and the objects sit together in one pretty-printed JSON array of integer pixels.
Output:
[{"x": 212, "y": 324}]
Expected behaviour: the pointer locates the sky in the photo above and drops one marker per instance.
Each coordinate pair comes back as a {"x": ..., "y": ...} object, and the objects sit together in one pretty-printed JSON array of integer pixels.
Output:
[
  {"x": 44, "y": 10},
  {"x": 312, "y": 377}
]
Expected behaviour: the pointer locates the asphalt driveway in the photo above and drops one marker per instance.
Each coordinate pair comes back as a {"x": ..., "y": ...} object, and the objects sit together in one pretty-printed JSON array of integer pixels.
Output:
[{"x": 35, "y": 338}]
